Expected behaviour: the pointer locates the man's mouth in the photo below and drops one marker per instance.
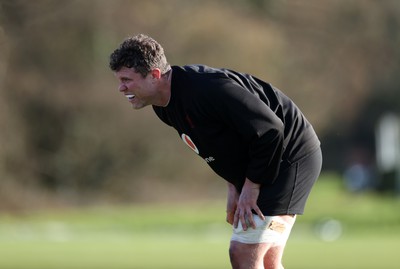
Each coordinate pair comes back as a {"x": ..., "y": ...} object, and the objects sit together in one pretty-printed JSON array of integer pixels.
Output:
[{"x": 130, "y": 96}]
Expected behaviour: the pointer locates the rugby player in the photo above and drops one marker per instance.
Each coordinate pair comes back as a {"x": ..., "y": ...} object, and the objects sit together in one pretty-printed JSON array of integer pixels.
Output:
[{"x": 248, "y": 131}]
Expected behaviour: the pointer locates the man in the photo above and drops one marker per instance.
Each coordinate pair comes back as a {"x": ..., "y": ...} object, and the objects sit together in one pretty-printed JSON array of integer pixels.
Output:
[{"x": 249, "y": 133}]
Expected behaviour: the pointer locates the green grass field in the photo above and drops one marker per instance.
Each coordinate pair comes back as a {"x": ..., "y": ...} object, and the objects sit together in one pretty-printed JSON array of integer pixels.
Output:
[{"x": 365, "y": 234}]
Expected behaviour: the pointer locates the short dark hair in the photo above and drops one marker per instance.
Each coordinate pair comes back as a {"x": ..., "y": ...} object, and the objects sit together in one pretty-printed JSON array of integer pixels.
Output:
[{"x": 140, "y": 52}]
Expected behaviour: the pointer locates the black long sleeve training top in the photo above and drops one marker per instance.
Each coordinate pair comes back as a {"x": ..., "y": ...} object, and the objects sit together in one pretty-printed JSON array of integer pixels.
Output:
[{"x": 240, "y": 125}]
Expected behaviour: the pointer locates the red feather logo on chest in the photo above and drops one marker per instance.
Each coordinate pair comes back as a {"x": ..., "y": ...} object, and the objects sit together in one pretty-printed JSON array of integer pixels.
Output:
[{"x": 189, "y": 143}]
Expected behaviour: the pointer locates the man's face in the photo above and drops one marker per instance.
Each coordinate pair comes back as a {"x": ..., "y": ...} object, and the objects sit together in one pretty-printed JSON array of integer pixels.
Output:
[{"x": 139, "y": 90}]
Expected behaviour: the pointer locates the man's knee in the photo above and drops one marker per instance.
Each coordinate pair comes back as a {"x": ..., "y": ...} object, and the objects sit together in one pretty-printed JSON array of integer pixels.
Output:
[
  {"x": 273, "y": 258},
  {"x": 245, "y": 256}
]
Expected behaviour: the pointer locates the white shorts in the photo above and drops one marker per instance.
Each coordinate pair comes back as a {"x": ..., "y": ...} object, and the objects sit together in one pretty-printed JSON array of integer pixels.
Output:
[{"x": 272, "y": 230}]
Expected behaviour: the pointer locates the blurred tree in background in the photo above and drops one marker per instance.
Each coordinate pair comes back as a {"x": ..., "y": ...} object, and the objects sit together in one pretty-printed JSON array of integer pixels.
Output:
[{"x": 68, "y": 136}]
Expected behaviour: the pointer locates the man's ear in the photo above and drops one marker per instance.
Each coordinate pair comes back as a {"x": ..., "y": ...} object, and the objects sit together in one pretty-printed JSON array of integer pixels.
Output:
[{"x": 156, "y": 73}]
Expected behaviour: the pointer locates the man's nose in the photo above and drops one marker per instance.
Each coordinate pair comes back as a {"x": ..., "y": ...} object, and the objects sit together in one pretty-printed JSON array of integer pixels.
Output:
[{"x": 122, "y": 88}]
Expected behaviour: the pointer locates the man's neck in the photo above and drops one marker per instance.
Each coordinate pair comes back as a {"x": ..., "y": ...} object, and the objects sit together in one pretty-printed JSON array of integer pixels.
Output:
[{"x": 167, "y": 85}]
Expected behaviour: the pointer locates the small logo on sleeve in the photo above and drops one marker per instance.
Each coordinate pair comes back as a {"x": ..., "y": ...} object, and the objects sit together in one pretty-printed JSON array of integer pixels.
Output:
[{"x": 189, "y": 143}]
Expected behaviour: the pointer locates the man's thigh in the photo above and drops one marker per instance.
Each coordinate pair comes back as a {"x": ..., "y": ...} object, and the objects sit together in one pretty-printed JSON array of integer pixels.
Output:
[
  {"x": 263, "y": 246},
  {"x": 274, "y": 230}
]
